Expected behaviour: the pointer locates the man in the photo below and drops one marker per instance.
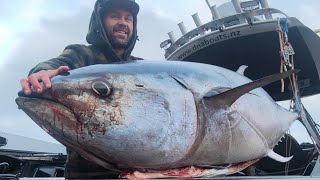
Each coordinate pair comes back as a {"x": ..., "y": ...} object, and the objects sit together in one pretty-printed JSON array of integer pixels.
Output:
[{"x": 112, "y": 36}]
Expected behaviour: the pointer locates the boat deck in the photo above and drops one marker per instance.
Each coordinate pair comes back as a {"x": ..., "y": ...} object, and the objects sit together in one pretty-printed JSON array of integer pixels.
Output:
[{"x": 223, "y": 178}]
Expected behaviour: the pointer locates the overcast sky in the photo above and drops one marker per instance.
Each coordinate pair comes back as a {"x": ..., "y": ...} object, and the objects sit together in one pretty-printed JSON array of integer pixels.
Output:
[{"x": 32, "y": 31}]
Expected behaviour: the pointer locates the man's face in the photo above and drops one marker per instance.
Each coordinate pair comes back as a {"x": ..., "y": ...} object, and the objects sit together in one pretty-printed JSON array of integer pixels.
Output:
[{"x": 118, "y": 24}]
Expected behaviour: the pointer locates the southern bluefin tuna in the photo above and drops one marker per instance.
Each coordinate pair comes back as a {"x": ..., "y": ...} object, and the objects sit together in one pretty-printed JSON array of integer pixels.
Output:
[{"x": 161, "y": 115}]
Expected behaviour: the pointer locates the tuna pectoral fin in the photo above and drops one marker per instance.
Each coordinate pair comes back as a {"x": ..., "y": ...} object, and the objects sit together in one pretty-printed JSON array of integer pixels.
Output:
[
  {"x": 278, "y": 157},
  {"x": 226, "y": 99}
]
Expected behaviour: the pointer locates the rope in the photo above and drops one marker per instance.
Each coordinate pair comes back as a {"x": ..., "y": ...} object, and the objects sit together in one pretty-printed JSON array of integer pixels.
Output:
[
  {"x": 287, "y": 60},
  {"x": 286, "y": 50}
]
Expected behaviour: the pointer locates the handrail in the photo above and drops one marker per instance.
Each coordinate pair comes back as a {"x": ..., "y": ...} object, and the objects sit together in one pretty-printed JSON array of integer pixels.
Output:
[{"x": 218, "y": 24}]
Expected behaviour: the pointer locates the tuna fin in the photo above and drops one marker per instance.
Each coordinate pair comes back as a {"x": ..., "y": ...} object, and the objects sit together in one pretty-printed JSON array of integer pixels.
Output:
[
  {"x": 226, "y": 99},
  {"x": 216, "y": 91},
  {"x": 242, "y": 69},
  {"x": 278, "y": 157}
]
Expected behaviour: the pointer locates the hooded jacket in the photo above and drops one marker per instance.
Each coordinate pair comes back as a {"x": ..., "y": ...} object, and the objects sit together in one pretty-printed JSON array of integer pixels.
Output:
[{"x": 100, "y": 50}]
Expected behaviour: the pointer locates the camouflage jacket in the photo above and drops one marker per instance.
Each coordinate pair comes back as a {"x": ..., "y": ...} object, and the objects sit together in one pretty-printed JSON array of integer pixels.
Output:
[{"x": 76, "y": 56}]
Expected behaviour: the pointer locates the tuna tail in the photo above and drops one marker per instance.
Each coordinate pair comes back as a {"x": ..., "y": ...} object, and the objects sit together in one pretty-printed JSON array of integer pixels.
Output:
[{"x": 226, "y": 99}]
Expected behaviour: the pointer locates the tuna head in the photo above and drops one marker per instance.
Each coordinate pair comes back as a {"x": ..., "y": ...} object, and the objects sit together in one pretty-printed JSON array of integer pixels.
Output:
[{"x": 117, "y": 119}]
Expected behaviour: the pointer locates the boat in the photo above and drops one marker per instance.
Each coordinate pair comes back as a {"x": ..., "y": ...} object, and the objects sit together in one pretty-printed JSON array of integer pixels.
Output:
[
  {"x": 23, "y": 157},
  {"x": 249, "y": 37},
  {"x": 267, "y": 41}
]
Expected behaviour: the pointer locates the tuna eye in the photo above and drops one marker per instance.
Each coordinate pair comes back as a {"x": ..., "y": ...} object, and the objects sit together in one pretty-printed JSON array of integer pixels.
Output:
[{"x": 101, "y": 88}]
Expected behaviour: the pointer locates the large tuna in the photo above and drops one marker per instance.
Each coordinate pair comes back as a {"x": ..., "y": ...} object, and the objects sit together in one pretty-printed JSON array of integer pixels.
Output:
[{"x": 160, "y": 115}]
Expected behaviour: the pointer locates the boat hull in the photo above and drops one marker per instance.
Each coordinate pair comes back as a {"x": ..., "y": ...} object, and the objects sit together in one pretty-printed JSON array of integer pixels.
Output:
[{"x": 258, "y": 47}]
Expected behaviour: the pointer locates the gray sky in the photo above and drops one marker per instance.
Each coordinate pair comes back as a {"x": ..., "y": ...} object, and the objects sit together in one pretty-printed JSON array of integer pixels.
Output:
[{"x": 36, "y": 30}]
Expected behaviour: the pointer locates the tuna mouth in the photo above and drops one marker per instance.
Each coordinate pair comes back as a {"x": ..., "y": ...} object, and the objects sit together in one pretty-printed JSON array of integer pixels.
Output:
[
  {"x": 58, "y": 121},
  {"x": 35, "y": 95},
  {"x": 40, "y": 103},
  {"x": 52, "y": 116}
]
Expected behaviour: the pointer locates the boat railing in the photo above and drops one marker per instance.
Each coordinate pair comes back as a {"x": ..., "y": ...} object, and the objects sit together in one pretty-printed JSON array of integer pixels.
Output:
[{"x": 221, "y": 24}]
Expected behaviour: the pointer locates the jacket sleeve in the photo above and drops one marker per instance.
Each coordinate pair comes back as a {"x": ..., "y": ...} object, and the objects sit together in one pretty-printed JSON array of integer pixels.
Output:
[{"x": 73, "y": 56}]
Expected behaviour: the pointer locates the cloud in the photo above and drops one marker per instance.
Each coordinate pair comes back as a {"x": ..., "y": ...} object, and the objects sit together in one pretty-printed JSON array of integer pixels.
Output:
[
  {"x": 306, "y": 11},
  {"x": 7, "y": 42},
  {"x": 152, "y": 30},
  {"x": 35, "y": 45}
]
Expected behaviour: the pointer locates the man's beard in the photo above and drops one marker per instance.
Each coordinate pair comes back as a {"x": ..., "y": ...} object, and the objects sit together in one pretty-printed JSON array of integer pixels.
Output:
[{"x": 115, "y": 43}]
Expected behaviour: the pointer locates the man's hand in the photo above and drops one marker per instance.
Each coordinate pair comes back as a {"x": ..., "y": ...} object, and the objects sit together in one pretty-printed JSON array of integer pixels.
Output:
[{"x": 41, "y": 76}]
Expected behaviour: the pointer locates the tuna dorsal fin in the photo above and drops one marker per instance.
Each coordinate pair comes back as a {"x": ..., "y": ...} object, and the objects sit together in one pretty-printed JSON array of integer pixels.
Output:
[{"x": 226, "y": 99}]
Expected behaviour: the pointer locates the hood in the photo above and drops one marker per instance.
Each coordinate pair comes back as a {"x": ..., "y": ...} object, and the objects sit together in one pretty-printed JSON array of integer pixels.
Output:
[{"x": 97, "y": 36}]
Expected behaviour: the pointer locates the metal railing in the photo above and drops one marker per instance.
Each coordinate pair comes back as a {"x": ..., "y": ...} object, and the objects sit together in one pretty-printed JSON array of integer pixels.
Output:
[{"x": 218, "y": 24}]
